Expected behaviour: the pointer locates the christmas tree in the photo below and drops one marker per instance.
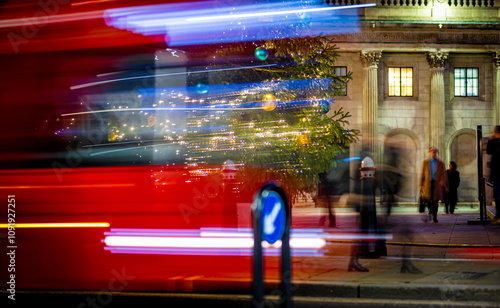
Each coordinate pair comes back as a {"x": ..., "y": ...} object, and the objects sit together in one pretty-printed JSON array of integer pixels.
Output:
[{"x": 274, "y": 115}]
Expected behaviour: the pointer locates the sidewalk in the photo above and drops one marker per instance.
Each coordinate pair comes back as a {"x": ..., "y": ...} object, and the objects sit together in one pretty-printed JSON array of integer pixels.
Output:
[{"x": 459, "y": 261}]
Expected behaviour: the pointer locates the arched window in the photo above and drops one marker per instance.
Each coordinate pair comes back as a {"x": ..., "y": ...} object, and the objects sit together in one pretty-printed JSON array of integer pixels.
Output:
[
  {"x": 463, "y": 152},
  {"x": 400, "y": 150}
]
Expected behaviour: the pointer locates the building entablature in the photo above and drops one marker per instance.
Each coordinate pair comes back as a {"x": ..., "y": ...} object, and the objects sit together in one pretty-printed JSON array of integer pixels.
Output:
[
  {"x": 416, "y": 48},
  {"x": 440, "y": 11},
  {"x": 405, "y": 36}
]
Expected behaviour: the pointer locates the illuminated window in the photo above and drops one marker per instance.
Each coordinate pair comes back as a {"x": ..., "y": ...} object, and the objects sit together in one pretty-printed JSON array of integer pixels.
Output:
[
  {"x": 400, "y": 81},
  {"x": 341, "y": 71},
  {"x": 466, "y": 81}
]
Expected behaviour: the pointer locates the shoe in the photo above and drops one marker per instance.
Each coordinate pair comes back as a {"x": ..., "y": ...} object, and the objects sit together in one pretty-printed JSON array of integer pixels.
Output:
[
  {"x": 410, "y": 268},
  {"x": 435, "y": 220},
  {"x": 355, "y": 266},
  {"x": 322, "y": 221},
  {"x": 333, "y": 221},
  {"x": 425, "y": 218}
]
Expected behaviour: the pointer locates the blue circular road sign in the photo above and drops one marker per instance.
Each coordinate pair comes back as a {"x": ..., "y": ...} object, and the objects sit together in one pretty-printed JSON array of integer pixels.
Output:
[{"x": 273, "y": 216}]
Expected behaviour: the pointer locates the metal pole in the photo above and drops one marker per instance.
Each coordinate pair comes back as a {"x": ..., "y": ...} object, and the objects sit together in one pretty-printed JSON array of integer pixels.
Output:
[
  {"x": 480, "y": 180},
  {"x": 368, "y": 211},
  {"x": 286, "y": 269},
  {"x": 229, "y": 209},
  {"x": 258, "y": 274}
]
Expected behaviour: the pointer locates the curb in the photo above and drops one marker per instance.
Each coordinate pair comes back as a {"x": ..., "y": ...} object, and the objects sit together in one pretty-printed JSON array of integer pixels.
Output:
[
  {"x": 401, "y": 291},
  {"x": 355, "y": 290},
  {"x": 442, "y": 293}
]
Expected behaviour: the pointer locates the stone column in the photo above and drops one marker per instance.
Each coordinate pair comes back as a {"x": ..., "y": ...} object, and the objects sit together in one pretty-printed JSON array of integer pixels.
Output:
[
  {"x": 370, "y": 100},
  {"x": 437, "y": 109},
  {"x": 496, "y": 88}
]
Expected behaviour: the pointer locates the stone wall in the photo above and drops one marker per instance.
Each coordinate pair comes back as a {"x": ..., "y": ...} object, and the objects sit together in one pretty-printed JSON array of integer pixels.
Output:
[{"x": 404, "y": 121}]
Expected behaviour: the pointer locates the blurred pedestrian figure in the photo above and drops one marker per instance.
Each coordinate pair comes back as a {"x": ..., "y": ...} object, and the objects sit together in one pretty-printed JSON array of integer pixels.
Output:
[
  {"x": 334, "y": 184},
  {"x": 391, "y": 178},
  {"x": 433, "y": 181},
  {"x": 358, "y": 248},
  {"x": 450, "y": 197},
  {"x": 392, "y": 181},
  {"x": 493, "y": 149},
  {"x": 326, "y": 190},
  {"x": 363, "y": 199}
]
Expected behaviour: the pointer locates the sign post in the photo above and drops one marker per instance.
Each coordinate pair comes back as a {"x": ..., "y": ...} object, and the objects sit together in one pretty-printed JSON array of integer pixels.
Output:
[
  {"x": 480, "y": 179},
  {"x": 481, "y": 185},
  {"x": 271, "y": 222}
]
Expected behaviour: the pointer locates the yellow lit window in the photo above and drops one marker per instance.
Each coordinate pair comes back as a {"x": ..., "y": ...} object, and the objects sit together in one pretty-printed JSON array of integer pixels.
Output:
[{"x": 400, "y": 81}]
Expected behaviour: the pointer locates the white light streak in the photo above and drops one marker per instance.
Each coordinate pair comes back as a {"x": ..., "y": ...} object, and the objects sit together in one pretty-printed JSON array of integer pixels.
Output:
[
  {"x": 91, "y": 84},
  {"x": 177, "y": 242},
  {"x": 262, "y": 14}
]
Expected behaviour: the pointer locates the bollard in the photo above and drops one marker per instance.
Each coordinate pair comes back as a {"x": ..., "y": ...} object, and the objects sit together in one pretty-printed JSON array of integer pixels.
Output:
[
  {"x": 271, "y": 222},
  {"x": 368, "y": 210},
  {"x": 229, "y": 212}
]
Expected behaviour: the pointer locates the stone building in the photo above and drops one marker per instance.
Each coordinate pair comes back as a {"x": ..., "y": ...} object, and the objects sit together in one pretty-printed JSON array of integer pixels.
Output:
[{"x": 425, "y": 73}]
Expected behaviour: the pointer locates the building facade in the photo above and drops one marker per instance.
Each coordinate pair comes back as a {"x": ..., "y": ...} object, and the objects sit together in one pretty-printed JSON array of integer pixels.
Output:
[{"x": 425, "y": 73}]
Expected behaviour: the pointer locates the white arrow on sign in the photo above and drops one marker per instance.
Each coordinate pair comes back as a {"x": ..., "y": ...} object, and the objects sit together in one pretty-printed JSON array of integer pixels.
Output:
[{"x": 269, "y": 220}]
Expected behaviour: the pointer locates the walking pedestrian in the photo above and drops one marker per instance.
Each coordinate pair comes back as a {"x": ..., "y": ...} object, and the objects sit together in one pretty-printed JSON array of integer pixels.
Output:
[
  {"x": 359, "y": 248},
  {"x": 433, "y": 181},
  {"x": 493, "y": 149},
  {"x": 392, "y": 181},
  {"x": 450, "y": 197},
  {"x": 327, "y": 187}
]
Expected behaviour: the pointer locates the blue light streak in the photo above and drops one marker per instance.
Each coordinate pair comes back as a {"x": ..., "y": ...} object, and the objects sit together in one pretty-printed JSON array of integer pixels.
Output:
[
  {"x": 208, "y": 22},
  {"x": 96, "y": 83}
]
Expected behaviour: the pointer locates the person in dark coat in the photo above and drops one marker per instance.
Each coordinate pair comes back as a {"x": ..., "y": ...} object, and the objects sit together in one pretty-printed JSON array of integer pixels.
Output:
[
  {"x": 450, "y": 197},
  {"x": 358, "y": 249},
  {"x": 493, "y": 148}
]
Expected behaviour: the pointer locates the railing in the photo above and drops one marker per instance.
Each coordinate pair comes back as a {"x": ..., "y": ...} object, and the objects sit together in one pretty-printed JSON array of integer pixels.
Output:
[
  {"x": 451, "y": 3},
  {"x": 342, "y": 2},
  {"x": 472, "y": 3},
  {"x": 402, "y": 3}
]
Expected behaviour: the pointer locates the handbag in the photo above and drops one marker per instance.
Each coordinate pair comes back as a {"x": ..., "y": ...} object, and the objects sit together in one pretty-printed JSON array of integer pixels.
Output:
[{"x": 421, "y": 207}]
